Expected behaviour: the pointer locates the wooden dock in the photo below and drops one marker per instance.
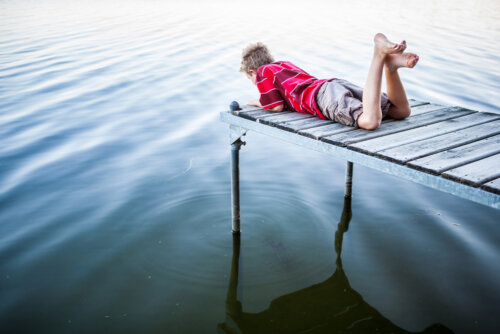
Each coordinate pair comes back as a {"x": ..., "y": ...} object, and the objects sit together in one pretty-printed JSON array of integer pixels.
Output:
[{"x": 451, "y": 149}]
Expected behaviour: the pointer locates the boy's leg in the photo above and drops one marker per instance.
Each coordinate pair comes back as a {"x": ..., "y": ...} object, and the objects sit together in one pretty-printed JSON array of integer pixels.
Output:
[
  {"x": 372, "y": 114},
  {"x": 400, "y": 107}
]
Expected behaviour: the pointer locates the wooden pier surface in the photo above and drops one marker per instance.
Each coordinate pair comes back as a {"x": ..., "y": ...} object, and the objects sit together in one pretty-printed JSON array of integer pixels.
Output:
[{"x": 435, "y": 145}]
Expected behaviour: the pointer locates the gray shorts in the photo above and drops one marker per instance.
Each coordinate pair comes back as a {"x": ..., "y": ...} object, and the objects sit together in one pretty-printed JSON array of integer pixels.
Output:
[{"x": 341, "y": 101}]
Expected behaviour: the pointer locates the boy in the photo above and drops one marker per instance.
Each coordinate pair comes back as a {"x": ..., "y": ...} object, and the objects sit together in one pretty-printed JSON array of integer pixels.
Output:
[{"x": 284, "y": 86}]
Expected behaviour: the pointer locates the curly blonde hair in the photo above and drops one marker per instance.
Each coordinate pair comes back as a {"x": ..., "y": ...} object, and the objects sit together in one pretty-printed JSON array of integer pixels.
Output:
[{"x": 254, "y": 56}]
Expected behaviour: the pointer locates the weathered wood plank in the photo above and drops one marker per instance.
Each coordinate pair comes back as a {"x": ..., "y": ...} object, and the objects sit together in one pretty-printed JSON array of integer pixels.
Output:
[
  {"x": 323, "y": 131},
  {"x": 277, "y": 113},
  {"x": 442, "y": 161},
  {"x": 254, "y": 114},
  {"x": 414, "y": 103},
  {"x": 284, "y": 117},
  {"x": 398, "y": 126},
  {"x": 261, "y": 113},
  {"x": 326, "y": 130},
  {"x": 419, "y": 149},
  {"x": 245, "y": 109},
  {"x": 476, "y": 173},
  {"x": 492, "y": 186},
  {"x": 424, "y": 132},
  {"x": 424, "y": 108},
  {"x": 302, "y": 124},
  {"x": 256, "y": 111}
]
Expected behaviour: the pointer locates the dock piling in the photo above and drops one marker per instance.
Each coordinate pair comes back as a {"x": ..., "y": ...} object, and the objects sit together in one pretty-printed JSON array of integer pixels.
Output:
[
  {"x": 235, "y": 184},
  {"x": 235, "y": 134}
]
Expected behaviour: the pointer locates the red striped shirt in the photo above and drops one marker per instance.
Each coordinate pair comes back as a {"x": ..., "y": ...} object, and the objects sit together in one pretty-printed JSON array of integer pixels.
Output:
[{"x": 284, "y": 83}]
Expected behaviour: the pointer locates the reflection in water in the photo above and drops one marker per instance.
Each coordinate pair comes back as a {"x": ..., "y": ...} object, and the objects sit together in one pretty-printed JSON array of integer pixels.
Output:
[{"x": 332, "y": 306}]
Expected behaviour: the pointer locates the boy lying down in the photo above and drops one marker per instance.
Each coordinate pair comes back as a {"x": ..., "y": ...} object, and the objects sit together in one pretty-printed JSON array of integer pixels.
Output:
[{"x": 284, "y": 86}]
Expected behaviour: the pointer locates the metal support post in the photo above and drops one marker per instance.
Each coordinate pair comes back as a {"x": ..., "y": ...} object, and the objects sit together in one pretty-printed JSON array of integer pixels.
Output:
[
  {"x": 348, "y": 180},
  {"x": 235, "y": 184},
  {"x": 235, "y": 133}
]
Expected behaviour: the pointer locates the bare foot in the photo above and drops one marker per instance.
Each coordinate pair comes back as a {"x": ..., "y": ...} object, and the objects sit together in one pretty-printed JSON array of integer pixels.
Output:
[
  {"x": 384, "y": 47},
  {"x": 395, "y": 61}
]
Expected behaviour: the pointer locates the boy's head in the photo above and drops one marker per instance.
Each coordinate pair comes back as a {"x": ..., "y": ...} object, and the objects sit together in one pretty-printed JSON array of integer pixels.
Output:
[{"x": 254, "y": 56}]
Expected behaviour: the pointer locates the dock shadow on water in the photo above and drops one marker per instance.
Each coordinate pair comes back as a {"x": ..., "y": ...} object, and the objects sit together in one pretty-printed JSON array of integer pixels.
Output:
[{"x": 331, "y": 306}]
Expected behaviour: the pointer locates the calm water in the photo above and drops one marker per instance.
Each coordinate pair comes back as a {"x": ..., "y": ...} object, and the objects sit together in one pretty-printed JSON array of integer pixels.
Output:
[{"x": 114, "y": 174}]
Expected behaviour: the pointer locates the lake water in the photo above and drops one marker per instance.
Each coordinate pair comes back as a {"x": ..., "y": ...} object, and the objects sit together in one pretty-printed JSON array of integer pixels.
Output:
[{"x": 115, "y": 178}]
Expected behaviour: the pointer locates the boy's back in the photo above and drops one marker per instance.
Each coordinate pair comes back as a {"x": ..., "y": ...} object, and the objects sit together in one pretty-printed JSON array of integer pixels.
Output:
[{"x": 282, "y": 82}]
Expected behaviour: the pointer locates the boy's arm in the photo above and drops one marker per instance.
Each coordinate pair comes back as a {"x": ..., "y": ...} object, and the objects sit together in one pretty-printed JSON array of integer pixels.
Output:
[
  {"x": 270, "y": 97},
  {"x": 257, "y": 103}
]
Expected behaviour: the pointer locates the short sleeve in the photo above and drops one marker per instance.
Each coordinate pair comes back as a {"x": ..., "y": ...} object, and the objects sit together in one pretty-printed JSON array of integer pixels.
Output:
[{"x": 270, "y": 96}]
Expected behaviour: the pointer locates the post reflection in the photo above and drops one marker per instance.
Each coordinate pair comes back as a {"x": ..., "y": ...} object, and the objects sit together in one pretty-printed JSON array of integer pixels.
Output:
[{"x": 331, "y": 306}]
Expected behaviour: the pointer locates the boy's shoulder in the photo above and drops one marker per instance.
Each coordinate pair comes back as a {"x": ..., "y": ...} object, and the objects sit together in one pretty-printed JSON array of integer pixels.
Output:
[
  {"x": 271, "y": 65},
  {"x": 277, "y": 66}
]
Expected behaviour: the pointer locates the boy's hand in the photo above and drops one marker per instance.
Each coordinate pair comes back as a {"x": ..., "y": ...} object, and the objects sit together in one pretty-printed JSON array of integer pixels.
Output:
[{"x": 255, "y": 103}]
